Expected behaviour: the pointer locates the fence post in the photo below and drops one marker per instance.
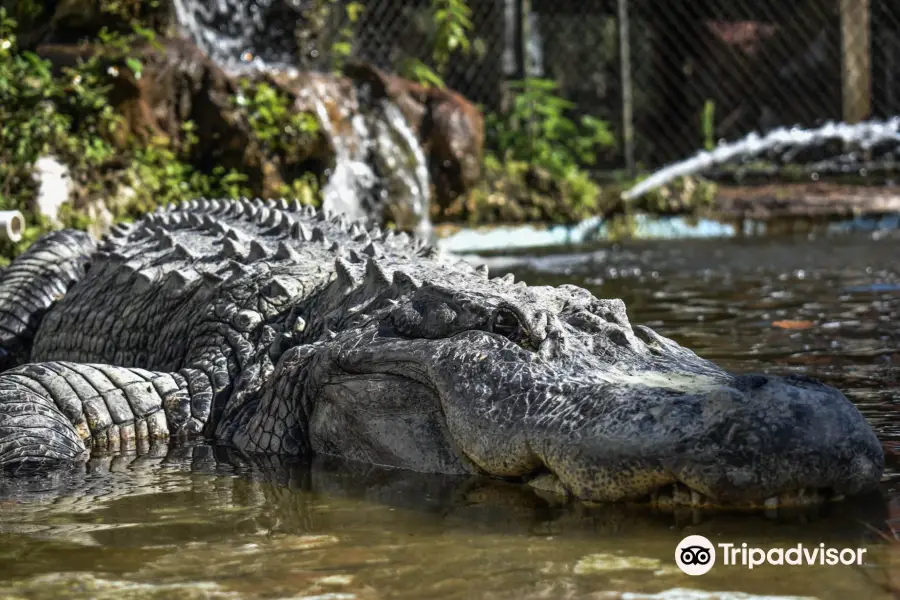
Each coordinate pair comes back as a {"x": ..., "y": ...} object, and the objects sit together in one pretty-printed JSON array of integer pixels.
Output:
[
  {"x": 856, "y": 63},
  {"x": 525, "y": 25},
  {"x": 627, "y": 89},
  {"x": 518, "y": 28}
]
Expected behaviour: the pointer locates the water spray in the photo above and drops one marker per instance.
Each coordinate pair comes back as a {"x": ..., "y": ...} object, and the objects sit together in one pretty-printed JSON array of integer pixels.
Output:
[{"x": 864, "y": 135}]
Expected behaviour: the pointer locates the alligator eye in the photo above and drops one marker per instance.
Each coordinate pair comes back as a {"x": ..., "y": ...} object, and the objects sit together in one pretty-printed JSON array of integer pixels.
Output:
[{"x": 507, "y": 323}]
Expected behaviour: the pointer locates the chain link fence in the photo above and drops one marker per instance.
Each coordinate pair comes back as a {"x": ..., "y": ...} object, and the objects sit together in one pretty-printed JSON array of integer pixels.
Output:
[{"x": 674, "y": 75}]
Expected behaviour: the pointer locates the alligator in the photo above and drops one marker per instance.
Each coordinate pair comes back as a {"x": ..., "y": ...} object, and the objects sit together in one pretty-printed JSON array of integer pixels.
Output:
[{"x": 276, "y": 329}]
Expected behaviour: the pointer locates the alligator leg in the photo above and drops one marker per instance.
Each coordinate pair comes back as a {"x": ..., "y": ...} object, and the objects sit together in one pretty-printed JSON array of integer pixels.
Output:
[
  {"x": 33, "y": 283},
  {"x": 57, "y": 412}
]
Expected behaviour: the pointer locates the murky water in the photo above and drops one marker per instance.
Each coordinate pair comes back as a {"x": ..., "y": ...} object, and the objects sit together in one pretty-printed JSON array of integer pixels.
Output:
[{"x": 198, "y": 522}]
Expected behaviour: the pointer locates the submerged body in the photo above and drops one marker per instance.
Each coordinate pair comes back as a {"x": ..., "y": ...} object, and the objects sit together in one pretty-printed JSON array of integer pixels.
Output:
[{"x": 280, "y": 330}]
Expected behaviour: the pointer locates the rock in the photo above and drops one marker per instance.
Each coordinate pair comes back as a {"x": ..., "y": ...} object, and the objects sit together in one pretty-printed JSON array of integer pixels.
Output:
[
  {"x": 383, "y": 160},
  {"x": 449, "y": 127},
  {"x": 375, "y": 164},
  {"x": 177, "y": 83}
]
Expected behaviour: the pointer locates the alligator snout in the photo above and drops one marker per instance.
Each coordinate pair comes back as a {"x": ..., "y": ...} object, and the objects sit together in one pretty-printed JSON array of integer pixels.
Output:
[
  {"x": 764, "y": 437},
  {"x": 757, "y": 441}
]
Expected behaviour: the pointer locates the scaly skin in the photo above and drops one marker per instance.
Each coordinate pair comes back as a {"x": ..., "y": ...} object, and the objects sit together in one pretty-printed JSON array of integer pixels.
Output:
[{"x": 278, "y": 330}]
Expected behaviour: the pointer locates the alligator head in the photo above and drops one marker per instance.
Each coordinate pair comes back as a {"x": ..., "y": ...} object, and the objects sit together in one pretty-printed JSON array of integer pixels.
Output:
[{"x": 554, "y": 387}]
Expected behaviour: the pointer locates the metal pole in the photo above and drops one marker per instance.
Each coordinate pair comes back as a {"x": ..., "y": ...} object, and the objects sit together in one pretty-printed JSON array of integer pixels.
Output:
[
  {"x": 627, "y": 88},
  {"x": 518, "y": 39},
  {"x": 525, "y": 16}
]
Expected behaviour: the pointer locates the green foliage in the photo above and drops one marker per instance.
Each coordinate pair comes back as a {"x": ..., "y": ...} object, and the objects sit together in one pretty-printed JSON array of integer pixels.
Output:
[
  {"x": 306, "y": 189},
  {"x": 452, "y": 20},
  {"x": 452, "y": 23},
  {"x": 342, "y": 47},
  {"x": 275, "y": 123},
  {"x": 536, "y": 129},
  {"x": 316, "y": 24},
  {"x": 41, "y": 114},
  {"x": 158, "y": 175},
  {"x": 513, "y": 191},
  {"x": 69, "y": 116},
  {"x": 418, "y": 71}
]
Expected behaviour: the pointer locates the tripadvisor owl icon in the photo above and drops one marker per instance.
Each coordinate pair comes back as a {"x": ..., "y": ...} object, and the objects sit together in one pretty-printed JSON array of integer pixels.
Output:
[{"x": 695, "y": 555}]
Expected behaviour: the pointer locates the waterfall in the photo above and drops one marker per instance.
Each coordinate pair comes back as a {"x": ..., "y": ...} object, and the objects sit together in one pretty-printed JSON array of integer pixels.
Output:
[
  {"x": 379, "y": 164},
  {"x": 864, "y": 136},
  {"x": 235, "y": 34},
  {"x": 380, "y": 167}
]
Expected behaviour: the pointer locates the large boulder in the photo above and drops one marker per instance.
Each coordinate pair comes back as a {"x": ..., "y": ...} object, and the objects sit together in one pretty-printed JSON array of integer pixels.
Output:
[
  {"x": 176, "y": 84},
  {"x": 406, "y": 143}
]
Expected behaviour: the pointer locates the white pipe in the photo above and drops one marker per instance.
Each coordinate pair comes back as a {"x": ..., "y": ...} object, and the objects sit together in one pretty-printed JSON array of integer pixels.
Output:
[{"x": 12, "y": 225}]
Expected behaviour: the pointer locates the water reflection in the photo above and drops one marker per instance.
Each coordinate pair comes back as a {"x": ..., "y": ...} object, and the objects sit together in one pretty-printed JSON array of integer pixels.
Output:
[
  {"x": 203, "y": 522},
  {"x": 206, "y": 516}
]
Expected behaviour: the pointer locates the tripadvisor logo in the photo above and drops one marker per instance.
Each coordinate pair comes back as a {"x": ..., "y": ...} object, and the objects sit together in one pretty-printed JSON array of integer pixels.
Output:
[{"x": 696, "y": 555}]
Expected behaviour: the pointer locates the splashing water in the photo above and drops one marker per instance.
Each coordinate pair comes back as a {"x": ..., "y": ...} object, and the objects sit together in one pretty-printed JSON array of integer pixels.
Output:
[
  {"x": 234, "y": 34},
  {"x": 865, "y": 136},
  {"x": 379, "y": 165},
  {"x": 397, "y": 152}
]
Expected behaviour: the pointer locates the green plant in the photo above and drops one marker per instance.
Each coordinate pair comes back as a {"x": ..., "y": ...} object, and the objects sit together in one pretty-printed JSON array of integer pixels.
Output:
[
  {"x": 306, "y": 189},
  {"x": 42, "y": 114},
  {"x": 274, "y": 122},
  {"x": 452, "y": 20},
  {"x": 157, "y": 175},
  {"x": 418, "y": 71},
  {"x": 452, "y": 23},
  {"x": 342, "y": 47},
  {"x": 536, "y": 129},
  {"x": 68, "y": 116}
]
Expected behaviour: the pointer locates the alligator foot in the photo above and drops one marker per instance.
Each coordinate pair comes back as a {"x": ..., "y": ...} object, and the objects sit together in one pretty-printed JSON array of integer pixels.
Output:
[{"x": 57, "y": 412}]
